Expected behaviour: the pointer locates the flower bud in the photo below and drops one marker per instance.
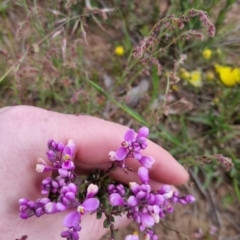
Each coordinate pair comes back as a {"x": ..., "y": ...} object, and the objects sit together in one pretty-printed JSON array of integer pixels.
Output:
[
  {"x": 92, "y": 190},
  {"x": 143, "y": 175},
  {"x": 116, "y": 200},
  {"x": 147, "y": 162},
  {"x": 143, "y": 132}
]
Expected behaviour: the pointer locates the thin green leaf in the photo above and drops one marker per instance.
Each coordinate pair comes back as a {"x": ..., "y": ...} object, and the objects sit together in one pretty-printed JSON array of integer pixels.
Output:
[
  {"x": 131, "y": 112},
  {"x": 97, "y": 87}
]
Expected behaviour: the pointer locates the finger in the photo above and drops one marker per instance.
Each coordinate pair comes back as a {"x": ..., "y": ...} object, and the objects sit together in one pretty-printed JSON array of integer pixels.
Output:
[{"x": 94, "y": 139}]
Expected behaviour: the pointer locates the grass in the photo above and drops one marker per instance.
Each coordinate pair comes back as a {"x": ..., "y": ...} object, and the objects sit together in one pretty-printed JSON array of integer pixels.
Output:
[{"x": 76, "y": 50}]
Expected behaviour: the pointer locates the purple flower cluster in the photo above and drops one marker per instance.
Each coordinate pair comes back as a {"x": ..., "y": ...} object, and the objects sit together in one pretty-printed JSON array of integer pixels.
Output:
[
  {"x": 63, "y": 187},
  {"x": 145, "y": 206},
  {"x": 131, "y": 146}
]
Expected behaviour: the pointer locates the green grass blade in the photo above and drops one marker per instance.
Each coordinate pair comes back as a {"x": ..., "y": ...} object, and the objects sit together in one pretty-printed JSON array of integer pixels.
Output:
[
  {"x": 98, "y": 88},
  {"x": 131, "y": 112}
]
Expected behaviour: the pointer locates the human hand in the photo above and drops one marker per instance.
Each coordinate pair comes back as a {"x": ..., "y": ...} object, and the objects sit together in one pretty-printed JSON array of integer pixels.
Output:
[{"x": 24, "y": 133}]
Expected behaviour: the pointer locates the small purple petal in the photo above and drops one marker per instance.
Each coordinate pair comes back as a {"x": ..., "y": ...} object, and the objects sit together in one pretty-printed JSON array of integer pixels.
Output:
[
  {"x": 143, "y": 174},
  {"x": 190, "y": 199},
  {"x": 75, "y": 236},
  {"x": 69, "y": 151},
  {"x": 39, "y": 212},
  {"x": 121, "y": 153},
  {"x": 140, "y": 195},
  {"x": 129, "y": 135},
  {"x": 50, "y": 208},
  {"x": 64, "y": 189},
  {"x": 55, "y": 184},
  {"x": 116, "y": 199},
  {"x": 92, "y": 190},
  {"x": 90, "y": 204},
  {"x": 63, "y": 172},
  {"x": 70, "y": 195},
  {"x": 147, "y": 162},
  {"x": 51, "y": 155},
  {"x": 44, "y": 201},
  {"x": 71, "y": 219},
  {"x": 72, "y": 187},
  {"x": 159, "y": 199},
  {"x": 46, "y": 181},
  {"x": 164, "y": 189},
  {"x": 31, "y": 204},
  {"x": 135, "y": 188},
  {"x": 69, "y": 165},
  {"x": 182, "y": 201},
  {"x": 143, "y": 132},
  {"x": 168, "y": 195},
  {"x": 60, "y": 207},
  {"x": 132, "y": 201},
  {"x": 147, "y": 220},
  {"x": 60, "y": 146},
  {"x": 137, "y": 155},
  {"x": 24, "y": 215},
  {"x": 146, "y": 188},
  {"x": 66, "y": 234},
  {"x": 131, "y": 237},
  {"x": 22, "y": 201}
]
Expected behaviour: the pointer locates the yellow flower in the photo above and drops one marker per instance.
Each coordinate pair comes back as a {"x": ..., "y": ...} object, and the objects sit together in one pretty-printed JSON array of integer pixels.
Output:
[
  {"x": 119, "y": 50},
  {"x": 229, "y": 76},
  {"x": 195, "y": 78},
  {"x": 184, "y": 74},
  {"x": 207, "y": 53},
  {"x": 175, "y": 88},
  {"x": 210, "y": 75}
]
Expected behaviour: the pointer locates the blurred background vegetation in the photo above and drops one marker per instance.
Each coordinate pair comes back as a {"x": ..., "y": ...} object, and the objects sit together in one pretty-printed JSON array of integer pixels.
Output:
[{"x": 76, "y": 57}]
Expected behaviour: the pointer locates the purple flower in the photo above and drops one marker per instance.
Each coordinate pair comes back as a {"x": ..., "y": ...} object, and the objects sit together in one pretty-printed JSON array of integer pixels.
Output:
[
  {"x": 68, "y": 165},
  {"x": 132, "y": 201},
  {"x": 190, "y": 199},
  {"x": 166, "y": 191},
  {"x": 115, "y": 199},
  {"x": 30, "y": 208},
  {"x": 121, "y": 153},
  {"x": 129, "y": 135},
  {"x": 68, "y": 194},
  {"x": 50, "y": 208},
  {"x": 147, "y": 220},
  {"x": 73, "y": 218},
  {"x": 69, "y": 151},
  {"x": 143, "y": 132},
  {"x": 143, "y": 175},
  {"x": 92, "y": 190},
  {"x": 42, "y": 166},
  {"x": 133, "y": 236},
  {"x": 147, "y": 162}
]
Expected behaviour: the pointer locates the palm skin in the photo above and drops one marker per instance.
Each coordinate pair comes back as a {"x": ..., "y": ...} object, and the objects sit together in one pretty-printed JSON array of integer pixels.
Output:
[{"x": 24, "y": 134}]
